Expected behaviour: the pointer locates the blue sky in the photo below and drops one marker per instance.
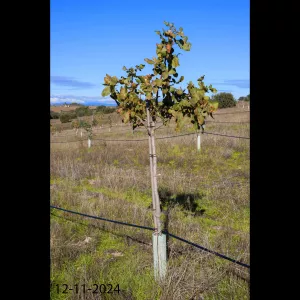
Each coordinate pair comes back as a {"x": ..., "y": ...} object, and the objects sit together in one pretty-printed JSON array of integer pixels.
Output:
[{"x": 91, "y": 38}]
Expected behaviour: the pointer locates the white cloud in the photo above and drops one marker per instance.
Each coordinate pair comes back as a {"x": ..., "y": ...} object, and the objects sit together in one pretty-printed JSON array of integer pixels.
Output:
[{"x": 56, "y": 100}]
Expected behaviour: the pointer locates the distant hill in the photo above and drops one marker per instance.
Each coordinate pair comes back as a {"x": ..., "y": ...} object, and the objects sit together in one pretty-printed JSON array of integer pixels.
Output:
[{"x": 59, "y": 108}]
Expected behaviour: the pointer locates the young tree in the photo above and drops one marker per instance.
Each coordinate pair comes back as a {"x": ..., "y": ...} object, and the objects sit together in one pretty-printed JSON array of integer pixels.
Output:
[
  {"x": 137, "y": 98},
  {"x": 89, "y": 129},
  {"x": 76, "y": 125},
  {"x": 110, "y": 122},
  {"x": 52, "y": 129}
]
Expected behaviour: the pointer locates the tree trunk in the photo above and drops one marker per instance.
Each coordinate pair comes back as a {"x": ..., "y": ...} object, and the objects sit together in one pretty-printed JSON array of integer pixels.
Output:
[
  {"x": 159, "y": 239},
  {"x": 153, "y": 165},
  {"x": 151, "y": 169},
  {"x": 157, "y": 202}
]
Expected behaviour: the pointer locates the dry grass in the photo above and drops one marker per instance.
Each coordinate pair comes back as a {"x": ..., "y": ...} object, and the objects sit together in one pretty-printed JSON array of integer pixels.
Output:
[{"x": 205, "y": 199}]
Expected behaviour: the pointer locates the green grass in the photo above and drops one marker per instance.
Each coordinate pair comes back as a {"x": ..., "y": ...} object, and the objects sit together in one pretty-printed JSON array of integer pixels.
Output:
[{"x": 113, "y": 181}]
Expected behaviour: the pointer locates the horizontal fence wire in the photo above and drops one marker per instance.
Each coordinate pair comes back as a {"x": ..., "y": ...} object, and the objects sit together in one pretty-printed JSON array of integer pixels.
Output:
[
  {"x": 150, "y": 228},
  {"x": 103, "y": 219},
  {"x": 225, "y": 122},
  {"x": 158, "y": 138},
  {"x": 207, "y": 250},
  {"x": 230, "y": 113},
  {"x": 231, "y": 136}
]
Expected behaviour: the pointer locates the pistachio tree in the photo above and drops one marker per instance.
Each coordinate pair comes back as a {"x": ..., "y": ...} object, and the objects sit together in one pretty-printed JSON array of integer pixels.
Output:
[
  {"x": 76, "y": 125},
  {"x": 98, "y": 118},
  {"x": 110, "y": 122},
  {"x": 52, "y": 129},
  {"x": 143, "y": 99},
  {"x": 87, "y": 126}
]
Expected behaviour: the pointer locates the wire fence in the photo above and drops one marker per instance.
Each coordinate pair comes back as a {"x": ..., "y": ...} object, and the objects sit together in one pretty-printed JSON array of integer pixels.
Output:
[
  {"x": 146, "y": 139},
  {"x": 231, "y": 136},
  {"x": 234, "y": 112},
  {"x": 227, "y": 122},
  {"x": 152, "y": 229},
  {"x": 162, "y": 138}
]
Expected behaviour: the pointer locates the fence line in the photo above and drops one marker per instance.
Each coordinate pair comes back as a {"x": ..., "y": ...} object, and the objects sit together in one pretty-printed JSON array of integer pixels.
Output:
[
  {"x": 158, "y": 138},
  {"x": 232, "y": 136},
  {"x": 230, "y": 113},
  {"x": 129, "y": 128},
  {"x": 221, "y": 122},
  {"x": 150, "y": 228}
]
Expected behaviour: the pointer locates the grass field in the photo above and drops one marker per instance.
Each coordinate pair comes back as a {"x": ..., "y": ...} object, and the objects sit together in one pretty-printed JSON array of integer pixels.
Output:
[{"x": 205, "y": 199}]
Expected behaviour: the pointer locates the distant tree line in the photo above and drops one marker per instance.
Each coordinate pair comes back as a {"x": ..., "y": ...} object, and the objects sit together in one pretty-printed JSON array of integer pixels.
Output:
[
  {"x": 105, "y": 109},
  {"x": 247, "y": 98},
  {"x": 81, "y": 111},
  {"x": 227, "y": 99}
]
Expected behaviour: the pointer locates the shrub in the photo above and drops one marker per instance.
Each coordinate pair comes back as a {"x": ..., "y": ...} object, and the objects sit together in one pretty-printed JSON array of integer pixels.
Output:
[
  {"x": 54, "y": 115},
  {"x": 105, "y": 109},
  {"x": 67, "y": 117},
  {"x": 83, "y": 111},
  {"x": 224, "y": 100}
]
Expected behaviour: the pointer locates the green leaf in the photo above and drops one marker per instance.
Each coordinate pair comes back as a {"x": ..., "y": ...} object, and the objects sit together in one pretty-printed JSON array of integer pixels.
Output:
[
  {"x": 185, "y": 103},
  {"x": 213, "y": 90},
  {"x": 142, "y": 66},
  {"x": 123, "y": 93},
  {"x": 158, "y": 82},
  {"x": 195, "y": 125},
  {"x": 163, "y": 52},
  {"x": 107, "y": 79},
  {"x": 141, "y": 78},
  {"x": 175, "y": 62},
  {"x": 124, "y": 68},
  {"x": 126, "y": 116},
  {"x": 214, "y": 104},
  {"x": 181, "y": 79},
  {"x": 201, "y": 78},
  {"x": 114, "y": 80},
  {"x": 149, "y": 61},
  {"x": 187, "y": 46},
  {"x": 172, "y": 71},
  {"x": 105, "y": 92},
  {"x": 200, "y": 119},
  {"x": 157, "y": 31},
  {"x": 165, "y": 75},
  {"x": 179, "y": 91}
]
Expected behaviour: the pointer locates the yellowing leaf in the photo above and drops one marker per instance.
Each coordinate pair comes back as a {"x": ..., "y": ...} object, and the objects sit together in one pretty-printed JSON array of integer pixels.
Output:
[
  {"x": 175, "y": 62},
  {"x": 106, "y": 91}
]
